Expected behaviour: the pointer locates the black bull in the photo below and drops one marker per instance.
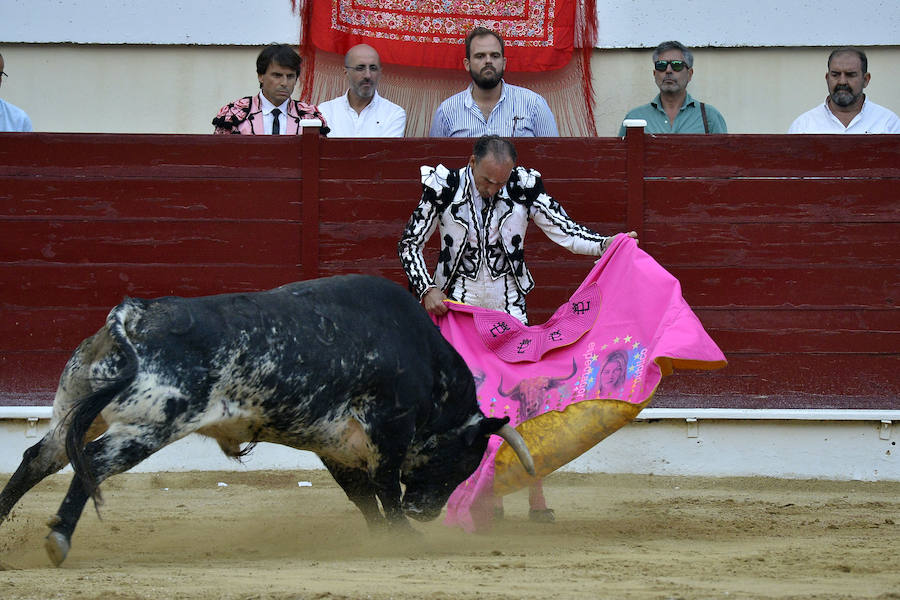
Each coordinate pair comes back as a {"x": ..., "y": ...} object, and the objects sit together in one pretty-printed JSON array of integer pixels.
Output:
[{"x": 350, "y": 367}]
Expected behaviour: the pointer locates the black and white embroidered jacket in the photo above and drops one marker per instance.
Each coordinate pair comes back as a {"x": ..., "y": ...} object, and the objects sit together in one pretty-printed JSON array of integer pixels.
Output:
[{"x": 446, "y": 203}]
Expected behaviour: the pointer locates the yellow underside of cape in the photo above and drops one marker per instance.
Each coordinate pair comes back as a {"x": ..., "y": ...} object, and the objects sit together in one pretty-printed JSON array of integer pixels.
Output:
[{"x": 556, "y": 438}]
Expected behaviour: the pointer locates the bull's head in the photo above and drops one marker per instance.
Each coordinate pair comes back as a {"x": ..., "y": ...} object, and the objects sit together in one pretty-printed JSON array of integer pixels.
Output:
[{"x": 446, "y": 460}]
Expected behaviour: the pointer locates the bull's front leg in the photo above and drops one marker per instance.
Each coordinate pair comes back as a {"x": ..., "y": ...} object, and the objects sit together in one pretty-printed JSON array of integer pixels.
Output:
[
  {"x": 359, "y": 489},
  {"x": 387, "y": 488}
]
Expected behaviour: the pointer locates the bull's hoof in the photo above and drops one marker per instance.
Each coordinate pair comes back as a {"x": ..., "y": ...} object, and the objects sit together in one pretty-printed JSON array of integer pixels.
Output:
[
  {"x": 57, "y": 547},
  {"x": 376, "y": 527},
  {"x": 541, "y": 516},
  {"x": 403, "y": 527}
]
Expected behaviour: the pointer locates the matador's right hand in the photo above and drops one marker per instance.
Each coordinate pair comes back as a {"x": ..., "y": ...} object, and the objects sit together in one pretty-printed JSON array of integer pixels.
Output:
[{"x": 433, "y": 301}]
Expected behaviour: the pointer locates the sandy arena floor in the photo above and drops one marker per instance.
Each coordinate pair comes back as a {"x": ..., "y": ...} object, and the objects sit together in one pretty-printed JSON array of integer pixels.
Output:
[{"x": 263, "y": 537}]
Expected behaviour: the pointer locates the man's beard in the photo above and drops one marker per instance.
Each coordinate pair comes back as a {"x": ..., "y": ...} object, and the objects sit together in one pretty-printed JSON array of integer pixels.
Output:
[
  {"x": 843, "y": 96},
  {"x": 362, "y": 93},
  {"x": 488, "y": 82}
]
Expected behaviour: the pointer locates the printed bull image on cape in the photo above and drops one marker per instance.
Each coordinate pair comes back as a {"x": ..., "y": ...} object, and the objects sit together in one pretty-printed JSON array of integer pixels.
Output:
[
  {"x": 348, "y": 367},
  {"x": 586, "y": 372}
]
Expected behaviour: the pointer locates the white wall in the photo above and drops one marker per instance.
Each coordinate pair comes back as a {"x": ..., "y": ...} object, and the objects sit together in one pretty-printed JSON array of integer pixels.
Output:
[
  {"x": 736, "y": 23},
  {"x": 209, "y": 22}
]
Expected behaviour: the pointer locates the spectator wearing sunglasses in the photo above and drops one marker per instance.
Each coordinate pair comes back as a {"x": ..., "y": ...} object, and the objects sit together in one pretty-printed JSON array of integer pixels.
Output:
[
  {"x": 12, "y": 118},
  {"x": 846, "y": 108},
  {"x": 674, "y": 110},
  {"x": 362, "y": 112}
]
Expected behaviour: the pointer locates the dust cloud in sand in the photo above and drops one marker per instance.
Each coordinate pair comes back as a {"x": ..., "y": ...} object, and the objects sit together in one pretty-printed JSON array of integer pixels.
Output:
[{"x": 262, "y": 537}]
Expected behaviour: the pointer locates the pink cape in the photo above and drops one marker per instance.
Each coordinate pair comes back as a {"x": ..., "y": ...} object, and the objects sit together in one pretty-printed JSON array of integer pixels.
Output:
[{"x": 625, "y": 327}]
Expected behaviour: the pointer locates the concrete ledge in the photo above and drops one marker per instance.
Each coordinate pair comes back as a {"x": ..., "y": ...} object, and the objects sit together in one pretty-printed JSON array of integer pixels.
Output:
[
  {"x": 840, "y": 445},
  {"x": 772, "y": 414},
  {"x": 26, "y": 412}
]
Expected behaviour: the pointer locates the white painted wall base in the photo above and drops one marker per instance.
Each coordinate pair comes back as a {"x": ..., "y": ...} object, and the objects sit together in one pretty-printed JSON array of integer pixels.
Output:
[
  {"x": 796, "y": 449},
  {"x": 863, "y": 450}
]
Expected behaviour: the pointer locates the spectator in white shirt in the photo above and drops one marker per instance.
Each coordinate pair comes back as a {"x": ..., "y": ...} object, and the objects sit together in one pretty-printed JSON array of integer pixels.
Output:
[
  {"x": 361, "y": 112},
  {"x": 846, "y": 108}
]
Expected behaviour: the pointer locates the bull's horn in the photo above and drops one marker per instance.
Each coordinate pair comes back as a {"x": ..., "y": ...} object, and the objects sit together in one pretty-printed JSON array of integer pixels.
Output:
[
  {"x": 555, "y": 381},
  {"x": 517, "y": 442},
  {"x": 510, "y": 392}
]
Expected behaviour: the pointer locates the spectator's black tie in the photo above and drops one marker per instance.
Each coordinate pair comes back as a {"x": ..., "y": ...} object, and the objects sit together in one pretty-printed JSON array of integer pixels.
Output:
[{"x": 276, "y": 127}]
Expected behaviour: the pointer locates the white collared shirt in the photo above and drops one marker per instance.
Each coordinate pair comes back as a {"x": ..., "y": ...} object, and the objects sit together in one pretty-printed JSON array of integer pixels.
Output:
[
  {"x": 380, "y": 118},
  {"x": 871, "y": 119},
  {"x": 267, "y": 108}
]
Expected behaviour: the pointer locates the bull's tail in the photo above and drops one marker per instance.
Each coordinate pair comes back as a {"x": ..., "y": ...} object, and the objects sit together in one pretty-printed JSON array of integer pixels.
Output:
[{"x": 87, "y": 408}]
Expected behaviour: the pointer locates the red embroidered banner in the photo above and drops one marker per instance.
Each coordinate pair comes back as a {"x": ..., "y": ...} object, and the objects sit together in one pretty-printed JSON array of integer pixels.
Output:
[{"x": 539, "y": 34}]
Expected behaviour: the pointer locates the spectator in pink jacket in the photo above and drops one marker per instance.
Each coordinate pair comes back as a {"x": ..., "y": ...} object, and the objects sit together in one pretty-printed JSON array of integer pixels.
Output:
[{"x": 272, "y": 111}]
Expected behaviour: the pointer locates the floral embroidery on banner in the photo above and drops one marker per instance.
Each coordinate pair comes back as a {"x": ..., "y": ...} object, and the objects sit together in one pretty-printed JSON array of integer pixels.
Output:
[
  {"x": 539, "y": 34},
  {"x": 447, "y": 22}
]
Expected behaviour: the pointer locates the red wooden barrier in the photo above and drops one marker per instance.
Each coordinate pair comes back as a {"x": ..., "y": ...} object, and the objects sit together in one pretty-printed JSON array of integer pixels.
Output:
[{"x": 786, "y": 246}]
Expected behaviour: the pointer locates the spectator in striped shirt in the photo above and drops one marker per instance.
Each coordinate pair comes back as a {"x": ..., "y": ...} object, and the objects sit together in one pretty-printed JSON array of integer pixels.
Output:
[{"x": 490, "y": 106}]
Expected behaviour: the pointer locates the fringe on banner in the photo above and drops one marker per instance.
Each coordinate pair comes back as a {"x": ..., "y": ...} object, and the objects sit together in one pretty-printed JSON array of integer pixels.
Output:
[
  {"x": 420, "y": 91},
  {"x": 586, "y": 32}
]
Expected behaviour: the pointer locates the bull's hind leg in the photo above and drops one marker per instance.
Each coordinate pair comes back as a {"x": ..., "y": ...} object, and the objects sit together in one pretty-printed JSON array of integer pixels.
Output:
[
  {"x": 360, "y": 491},
  {"x": 119, "y": 450},
  {"x": 44, "y": 458},
  {"x": 49, "y": 455},
  {"x": 41, "y": 460}
]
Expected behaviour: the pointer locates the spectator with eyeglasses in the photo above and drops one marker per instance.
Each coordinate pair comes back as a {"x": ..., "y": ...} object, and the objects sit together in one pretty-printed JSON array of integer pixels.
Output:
[
  {"x": 12, "y": 118},
  {"x": 674, "y": 110},
  {"x": 272, "y": 111},
  {"x": 362, "y": 111}
]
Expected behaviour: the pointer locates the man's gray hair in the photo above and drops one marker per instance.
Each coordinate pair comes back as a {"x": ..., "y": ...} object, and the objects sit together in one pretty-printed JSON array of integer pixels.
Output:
[
  {"x": 673, "y": 45},
  {"x": 863, "y": 60}
]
